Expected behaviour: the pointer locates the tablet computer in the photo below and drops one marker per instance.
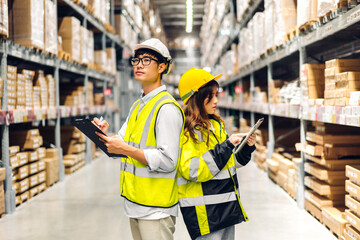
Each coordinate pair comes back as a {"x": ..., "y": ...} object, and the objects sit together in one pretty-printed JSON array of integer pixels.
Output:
[
  {"x": 89, "y": 129},
  {"x": 252, "y": 130}
]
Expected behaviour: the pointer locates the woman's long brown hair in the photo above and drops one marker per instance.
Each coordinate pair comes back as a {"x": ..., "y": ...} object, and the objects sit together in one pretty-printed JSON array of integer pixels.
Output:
[{"x": 195, "y": 113}]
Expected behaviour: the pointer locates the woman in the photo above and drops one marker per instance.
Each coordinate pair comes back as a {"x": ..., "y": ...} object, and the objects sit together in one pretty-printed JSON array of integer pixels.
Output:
[{"x": 208, "y": 186}]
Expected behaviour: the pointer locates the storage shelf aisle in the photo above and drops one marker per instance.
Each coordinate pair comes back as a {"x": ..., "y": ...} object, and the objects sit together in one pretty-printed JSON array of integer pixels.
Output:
[{"x": 87, "y": 205}]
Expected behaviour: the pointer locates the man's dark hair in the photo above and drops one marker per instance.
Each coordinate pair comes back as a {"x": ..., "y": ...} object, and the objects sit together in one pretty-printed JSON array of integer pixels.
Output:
[{"x": 154, "y": 54}]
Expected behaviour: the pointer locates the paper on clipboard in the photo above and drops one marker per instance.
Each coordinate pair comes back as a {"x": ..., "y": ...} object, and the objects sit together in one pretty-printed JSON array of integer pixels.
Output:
[
  {"x": 89, "y": 129},
  {"x": 252, "y": 130}
]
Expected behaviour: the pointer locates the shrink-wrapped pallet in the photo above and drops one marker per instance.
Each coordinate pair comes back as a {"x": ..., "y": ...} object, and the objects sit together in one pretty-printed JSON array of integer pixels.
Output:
[
  {"x": 27, "y": 23},
  {"x": 285, "y": 19},
  {"x": 50, "y": 27},
  {"x": 306, "y": 11}
]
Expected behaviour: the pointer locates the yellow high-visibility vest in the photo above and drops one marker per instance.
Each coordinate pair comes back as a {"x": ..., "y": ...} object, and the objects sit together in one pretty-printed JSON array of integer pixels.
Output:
[{"x": 138, "y": 184}]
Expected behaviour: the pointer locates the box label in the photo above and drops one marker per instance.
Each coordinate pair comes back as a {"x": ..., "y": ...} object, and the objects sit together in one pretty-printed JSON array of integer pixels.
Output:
[
  {"x": 351, "y": 204},
  {"x": 351, "y": 189},
  {"x": 351, "y": 220},
  {"x": 352, "y": 174}
]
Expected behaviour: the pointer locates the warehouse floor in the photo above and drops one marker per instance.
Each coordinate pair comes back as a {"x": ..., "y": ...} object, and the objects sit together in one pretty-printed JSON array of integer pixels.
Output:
[{"x": 87, "y": 205}]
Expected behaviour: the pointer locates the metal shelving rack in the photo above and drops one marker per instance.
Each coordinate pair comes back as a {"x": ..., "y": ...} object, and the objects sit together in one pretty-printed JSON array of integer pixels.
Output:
[
  {"x": 9, "y": 49},
  {"x": 338, "y": 34}
]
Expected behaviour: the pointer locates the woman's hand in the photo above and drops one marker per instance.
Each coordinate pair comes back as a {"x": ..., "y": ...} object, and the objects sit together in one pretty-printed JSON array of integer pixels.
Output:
[
  {"x": 251, "y": 140},
  {"x": 235, "y": 139},
  {"x": 103, "y": 125}
]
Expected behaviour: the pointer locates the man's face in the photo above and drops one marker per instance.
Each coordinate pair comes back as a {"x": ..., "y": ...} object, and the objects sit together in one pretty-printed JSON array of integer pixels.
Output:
[{"x": 150, "y": 73}]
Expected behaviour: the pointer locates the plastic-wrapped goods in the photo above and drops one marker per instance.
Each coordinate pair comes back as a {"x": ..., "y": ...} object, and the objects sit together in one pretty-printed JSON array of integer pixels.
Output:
[
  {"x": 259, "y": 23},
  {"x": 251, "y": 40},
  {"x": 325, "y": 6},
  {"x": 285, "y": 19},
  {"x": 101, "y": 59},
  {"x": 138, "y": 16},
  {"x": 4, "y": 19},
  {"x": 84, "y": 45},
  {"x": 69, "y": 30},
  {"x": 27, "y": 23},
  {"x": 90, "y": 47},
  {"x": 306, "y": 11},
  {"x": 241, "y": 5},
  {"x": 50, "y": 28},
  {"x": 220, "y": 8},
  {"x": 269, "y": 24}
]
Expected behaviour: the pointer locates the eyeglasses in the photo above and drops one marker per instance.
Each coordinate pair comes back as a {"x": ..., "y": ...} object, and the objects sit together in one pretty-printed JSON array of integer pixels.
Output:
[{"x": 146, "y": 61}]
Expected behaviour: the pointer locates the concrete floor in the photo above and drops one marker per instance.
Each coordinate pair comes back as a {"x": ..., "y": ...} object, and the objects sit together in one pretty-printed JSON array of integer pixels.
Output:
[{"x": 87, "y": 205}]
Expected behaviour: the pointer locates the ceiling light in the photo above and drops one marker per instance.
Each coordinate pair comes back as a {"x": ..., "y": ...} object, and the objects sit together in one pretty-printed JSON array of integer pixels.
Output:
[{"x": 189, "y": 16}]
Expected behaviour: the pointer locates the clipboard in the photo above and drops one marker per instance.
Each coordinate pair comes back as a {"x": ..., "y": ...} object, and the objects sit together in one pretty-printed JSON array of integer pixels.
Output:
[
  {"x": 89, "y": 129},
  {"x": 252, "y": 130}
]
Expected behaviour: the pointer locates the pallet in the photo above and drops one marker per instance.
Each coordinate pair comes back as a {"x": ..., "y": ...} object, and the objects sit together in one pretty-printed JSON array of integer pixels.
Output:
[
  {"x": 110, "y": 28},
  {"x": 270, "y": 50},
  {"x": 2, "y": 215},
  {"x": 352, "y": 3},
  {"x": 90, "y": 9},
  {"x": 307, "y": 26},
  {"x": 64, "y": 55},
  {"x": 292, "y": 33},
  {"x": 332, "y": 232}
]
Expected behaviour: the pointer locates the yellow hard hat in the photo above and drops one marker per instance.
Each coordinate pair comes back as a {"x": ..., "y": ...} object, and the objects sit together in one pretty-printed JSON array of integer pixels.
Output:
[{"x": 192, "y": 80}]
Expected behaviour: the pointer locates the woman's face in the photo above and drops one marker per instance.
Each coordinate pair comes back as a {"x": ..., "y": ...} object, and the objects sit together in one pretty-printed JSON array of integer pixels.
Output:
[{"x": 211, "y": 102}]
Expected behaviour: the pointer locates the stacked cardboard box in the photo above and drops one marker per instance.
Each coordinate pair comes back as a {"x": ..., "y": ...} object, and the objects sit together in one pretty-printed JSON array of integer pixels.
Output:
[
  {"x": 69, "y": 30},
  {"x": 90, "y": 89},
  {"x": 40, "y": 90},
  {"x": 99, "y": 99},
  {"x": 50, "y": 81},
  {"x": 50, "y": 27},
  {"x": 352, "y": 201},
  {"x": 11, "y": 86},
  {"x": 326, "y": 6},
  {"x": 29, "y": 76},
  {"x": 269, "y": 23},
  {"x": 73, "y": 144},
  {"x": 99, "y": 11},
  {"x": 328, "y": 150},
  {"x": 338, "y": 83},
  {"x": 4, "y": 19},
  {"x": 27, "y": 23},
  {"x": 51, "y": 161},
  {"x": 274, "y": 88},
  {"x": 28, "y": 168},
  {"x": 312, "y": 80},
  {"x": 2, "y": 193},
  {"x": 72, "y": 95}
]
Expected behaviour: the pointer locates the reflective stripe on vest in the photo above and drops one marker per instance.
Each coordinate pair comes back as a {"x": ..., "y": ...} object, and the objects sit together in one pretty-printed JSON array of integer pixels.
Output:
[
  {"x": 144, "y": 172},
  {"x": 208, "y": 199}
]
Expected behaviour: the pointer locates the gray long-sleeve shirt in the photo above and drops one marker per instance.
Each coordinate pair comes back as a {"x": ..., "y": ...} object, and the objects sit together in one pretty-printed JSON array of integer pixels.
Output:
[{"x": 162, "y": 159}]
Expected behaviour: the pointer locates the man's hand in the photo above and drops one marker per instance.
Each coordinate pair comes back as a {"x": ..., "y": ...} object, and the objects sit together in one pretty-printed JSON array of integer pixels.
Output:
[
  {"x": 103, "y": 125},
  {"x": 114, "y": 144}
]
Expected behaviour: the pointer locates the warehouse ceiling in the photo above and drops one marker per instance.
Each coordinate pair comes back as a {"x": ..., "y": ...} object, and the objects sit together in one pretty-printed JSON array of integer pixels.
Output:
[{"x": 173, "y": 17}]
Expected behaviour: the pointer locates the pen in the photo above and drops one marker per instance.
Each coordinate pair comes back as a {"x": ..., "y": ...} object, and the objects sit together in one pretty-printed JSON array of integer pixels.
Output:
[{"x": 100, "y": 120}]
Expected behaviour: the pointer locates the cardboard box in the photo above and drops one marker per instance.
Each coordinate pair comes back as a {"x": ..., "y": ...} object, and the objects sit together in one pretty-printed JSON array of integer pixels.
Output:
[
  {"x": 352, "y": 204},
  {"x": 41, "y": 165},
  {"x": 322, "y": 173},
  {"x": 41, "y": 152},
  {"x": 22, "y": 158},
  {"x": 2, "y": 174},
  {"x": 33, "y": 181},
  {"x": 315, "y": 211},
  {"x": 323, "y": 188},
  {"x": 353, "y": 173},
  {"x": 33, "y": 191},
  {"x": 69, "y": 30},
  {"x": 52, "y": 153},
  {"x": 42, "y": 187},
  {"x": 350, "y": 233},
  {"x": 352, "y": 189},
  {"x": 342, "y": 63},
  {"x": 52, "y": 170},
  {"x": 27, "y": 23},
  {"x": 11, "y": 69},
  {"x": 14, "y": 163},
  {"x": 273, "y": 165},
  {"x": 333, "y": 218},
  {"x": 16, "y": 187},
  {"x": 321, "y": 201},
  {"x": 352, "y": 219},
  {"x": 24, "y": 185},
  {"x": 323, "y": 139},
  {"x": 33, "y": 168},
  {"x": 41, "y": 177},
  {"x": 33, "y": 156},
  {"x": 22, "y": 172},
  {"x": 25, "y": 196}
]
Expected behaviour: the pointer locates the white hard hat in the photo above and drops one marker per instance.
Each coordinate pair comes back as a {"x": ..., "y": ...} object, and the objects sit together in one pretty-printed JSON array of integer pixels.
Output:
[{"x": 157, "y": 46}]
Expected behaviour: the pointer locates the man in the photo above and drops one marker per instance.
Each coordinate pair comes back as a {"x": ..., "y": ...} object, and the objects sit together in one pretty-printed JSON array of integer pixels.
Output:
[{"x": 150, "y": 138}]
